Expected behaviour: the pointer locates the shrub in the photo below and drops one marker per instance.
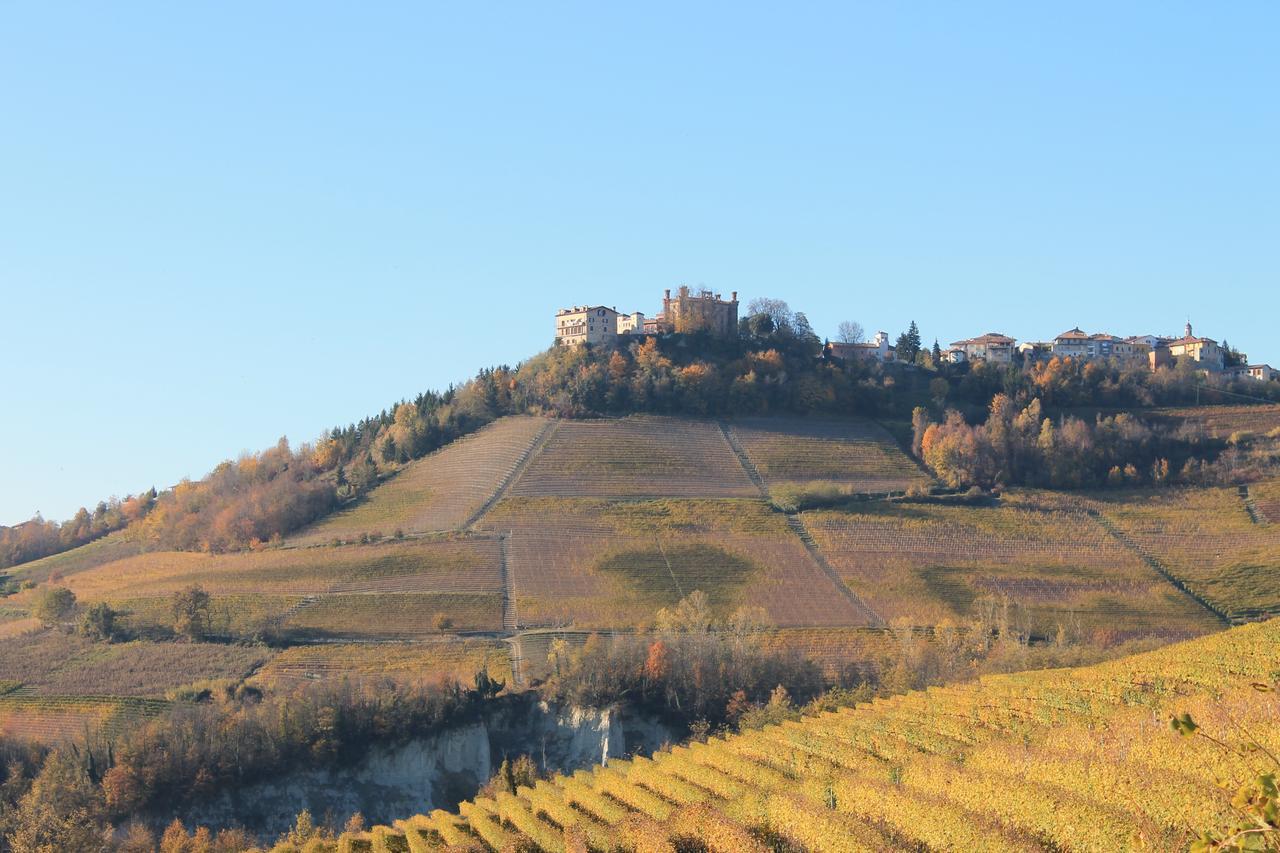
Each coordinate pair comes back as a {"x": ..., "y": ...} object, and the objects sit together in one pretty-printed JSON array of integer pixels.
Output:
[
  {"x": 99, "y": 622},
  {"x": 55, "y": 604},
  {"x": 191, "y": 613}
]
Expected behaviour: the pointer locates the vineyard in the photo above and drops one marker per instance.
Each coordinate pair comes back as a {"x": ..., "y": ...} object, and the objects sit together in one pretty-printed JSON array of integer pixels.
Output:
[
  {"x": 439, "y": 492},
  {"x": 56, "y": 719},
  {"x": 1266, "y": 497},
  {"x": 422, "y": 663},
  {"x": 1054, "y": 563},
  {"x": 53, "y": 664},
  {"x": 1222, "y": 421},
  {"x": 859, "y": 454},
  {"x": 638, "y": 456},
  {"x": 590, "y": 563},
  {"x": 1206, "y": 539},
  {"x": 1053, "y": 760},
  {"x": 415, "y": 579}
]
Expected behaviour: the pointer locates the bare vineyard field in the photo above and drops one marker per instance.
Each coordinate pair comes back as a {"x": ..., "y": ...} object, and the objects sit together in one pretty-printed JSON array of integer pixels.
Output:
[
  {"x": 436, "y": 493},
  {"x": 929, "y": 563},
  {"x": 418, "y": 663},
  {"x": 596, "y": 564},
  {"x": 63, "y": 719},
  {"x": 396, "y": 615},
  {"x": 251, "y": 588},
  {"x": 1266, "y": 497},
  {"x": 114, "y": 546},
  {"x": 1068, "y": 759},
  {"x": 859, "y": 454},
  {"x": 834, "y": 649},
  {"x": 52, "y": 663},
  {"x": 638, "y": 456},
  {"x": 1205, "y": 538},
  {"x": 1222, "y": 421}
]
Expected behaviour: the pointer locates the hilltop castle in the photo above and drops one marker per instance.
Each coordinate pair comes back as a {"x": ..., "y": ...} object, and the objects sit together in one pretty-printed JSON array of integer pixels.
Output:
[{"x": 685, "y": 312}]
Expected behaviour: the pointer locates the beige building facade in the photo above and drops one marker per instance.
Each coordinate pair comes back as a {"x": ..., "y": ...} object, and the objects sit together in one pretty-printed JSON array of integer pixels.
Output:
[
  {"x": 585, "y": 324},
  {"x": 992, "y": 346},
  {"x": 694, "y": 312}
]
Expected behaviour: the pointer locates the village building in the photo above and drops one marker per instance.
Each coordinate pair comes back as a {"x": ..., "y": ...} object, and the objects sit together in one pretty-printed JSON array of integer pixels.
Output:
[
  {"x": 1204, "y": 352},
  {"x": 685, "y": 312},
  {"x": 1260, "y": 372},
  {"x": 992, "y": 347},
  {"x": 878, "y": 350},
  {"x": 585, "y": 324},
  {"x": 1072, "y": 343}
]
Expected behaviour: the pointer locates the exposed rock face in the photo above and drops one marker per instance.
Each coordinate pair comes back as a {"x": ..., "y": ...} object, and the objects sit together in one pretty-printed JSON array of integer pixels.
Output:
[{"x": 433, "y": 772}]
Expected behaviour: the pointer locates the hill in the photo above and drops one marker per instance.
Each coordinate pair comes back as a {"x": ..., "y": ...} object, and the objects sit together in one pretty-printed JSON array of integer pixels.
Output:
[
  {"x": 533, "y": 529},
  {"x": 1073, "y": 759}
]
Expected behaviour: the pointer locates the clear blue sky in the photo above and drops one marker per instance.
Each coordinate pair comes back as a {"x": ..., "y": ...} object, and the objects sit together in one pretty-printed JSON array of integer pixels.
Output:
[{"x": 220, "y": 223}]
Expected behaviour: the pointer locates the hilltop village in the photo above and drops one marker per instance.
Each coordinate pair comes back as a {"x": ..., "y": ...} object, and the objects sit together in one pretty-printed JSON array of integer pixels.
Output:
[{"x": 704, "y": 310}]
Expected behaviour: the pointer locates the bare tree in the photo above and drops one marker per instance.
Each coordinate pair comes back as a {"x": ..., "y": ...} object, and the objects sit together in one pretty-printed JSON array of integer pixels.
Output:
[
  {"x": 850, "y": 332},
  {"x": 776, "y": 310}
]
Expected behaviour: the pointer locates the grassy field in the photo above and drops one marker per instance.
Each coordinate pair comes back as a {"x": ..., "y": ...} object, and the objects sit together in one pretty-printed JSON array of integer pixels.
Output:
[
  {"x": 1056, "y": 565},
  {"x": 638, "y": 456},
  {"x": 1206, "y": 538},
  {"x": 858, "y": 454},
  {"x": 593, "y": 563},
  {"x": 1077, "y": 759},
  {"x": 406, "y": 663},
  {"x": 438, "y": 492}
]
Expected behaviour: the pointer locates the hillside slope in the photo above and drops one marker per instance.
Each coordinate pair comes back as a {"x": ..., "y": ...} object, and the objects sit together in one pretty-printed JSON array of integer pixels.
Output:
[{"x": 1076, "y": 759}]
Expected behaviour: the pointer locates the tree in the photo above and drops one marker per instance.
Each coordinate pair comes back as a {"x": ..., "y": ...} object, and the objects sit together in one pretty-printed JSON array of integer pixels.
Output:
[
  {"x": 99, "y": 622},
  {"x": 908, "y": 344},
  {"x": 61, "y": 811},
  {"x": 937, "y": 353},
  {"x": 191, "y": 613},
  {"x": 55, "y": 604},
  {"x": 777, "y": 310},
  {"x": 850, "y": 332}
]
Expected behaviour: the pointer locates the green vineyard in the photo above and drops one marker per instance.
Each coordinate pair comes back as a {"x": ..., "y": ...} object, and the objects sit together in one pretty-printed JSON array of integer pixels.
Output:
[{"x": 1075, "y": 759}]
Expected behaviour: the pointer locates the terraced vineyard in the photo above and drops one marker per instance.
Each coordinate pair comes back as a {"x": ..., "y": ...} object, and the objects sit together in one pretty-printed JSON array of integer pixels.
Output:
[
  {"x": 591, "y": 563},
  {"x": 930, "y": 563},
  {"x": 1052, "y": 760},
  {"x": 856, "y": 453},
  {"x": 1266, "y": 497},
  {"x": 1205, "y": 538},
  {"x": 638, "y": 456},
  {"x": 439, "y": 492}
]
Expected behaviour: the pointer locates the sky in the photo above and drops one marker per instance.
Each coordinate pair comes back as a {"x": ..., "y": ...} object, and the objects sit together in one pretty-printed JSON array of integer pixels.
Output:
[{"x": 223, "y": 223}]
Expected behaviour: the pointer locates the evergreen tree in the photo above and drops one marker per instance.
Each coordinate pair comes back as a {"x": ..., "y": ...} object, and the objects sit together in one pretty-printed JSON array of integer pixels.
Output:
[
  {"x": 937, "y": 353},
  {"x": 908, "y": 344}
]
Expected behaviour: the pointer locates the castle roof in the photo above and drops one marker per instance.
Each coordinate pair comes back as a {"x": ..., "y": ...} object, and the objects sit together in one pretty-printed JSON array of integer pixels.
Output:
[{"x": 988, "y": 338}]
